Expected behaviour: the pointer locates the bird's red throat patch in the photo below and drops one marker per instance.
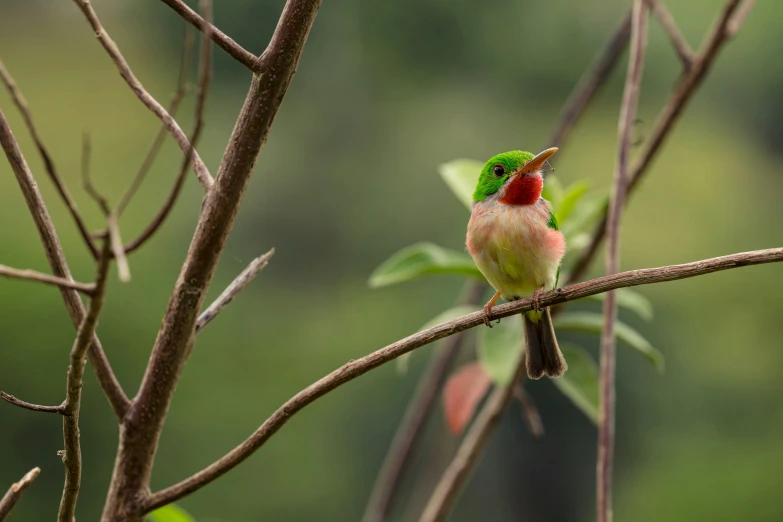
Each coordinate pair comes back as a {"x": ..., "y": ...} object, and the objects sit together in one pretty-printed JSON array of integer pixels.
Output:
[{"x": 524, "y": 189}]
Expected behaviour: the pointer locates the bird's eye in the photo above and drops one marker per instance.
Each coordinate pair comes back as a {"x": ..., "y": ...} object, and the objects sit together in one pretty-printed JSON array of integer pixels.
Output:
[{"x": 498, "y": 170}]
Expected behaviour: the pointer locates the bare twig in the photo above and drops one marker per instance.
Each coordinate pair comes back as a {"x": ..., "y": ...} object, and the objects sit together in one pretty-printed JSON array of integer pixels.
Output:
[
  {"x": 670, "y": 26},
  {"x": 237, "y": 285},
  {"x": 32, "y": 275},
  {"x": 414, "y": 420},
  {"x": 590, "y": 82},
  {"x": 241, "y": 55},
  {"x": 89, "y": 188},
  {"x": 358, "y": 367},
  {"x": 146, "y": 98},
  {"x": 108, "y": 381},
  {"x": 27, "y": 116},
  {"x": 157, "y": 143},
  {"x": 469, "y": 452},
  {"x": 529, "y": 411},
  {"x": 739, "y": 18},
  {"x": 123, "y": 270},
  {"x": 685, "y": 88},
  {"x": 72, "y": 455},
  {"x": 606, "y": 416},
  {"x": 143, "y": 425},
  {"x": 11, "y": 497},
  {"x": 205, "y": 77},
  {"x": 29, "y": 405}
]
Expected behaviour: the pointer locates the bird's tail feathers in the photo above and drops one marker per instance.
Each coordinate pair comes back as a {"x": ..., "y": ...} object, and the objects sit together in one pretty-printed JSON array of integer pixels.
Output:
[{"x": 542, "y": 354}]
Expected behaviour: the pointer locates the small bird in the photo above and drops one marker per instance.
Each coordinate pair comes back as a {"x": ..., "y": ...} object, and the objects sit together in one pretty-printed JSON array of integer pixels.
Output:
[{"x": 515, "y": 241}]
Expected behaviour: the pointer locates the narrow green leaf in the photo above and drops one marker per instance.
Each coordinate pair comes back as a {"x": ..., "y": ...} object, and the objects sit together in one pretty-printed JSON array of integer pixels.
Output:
[
  {"x": 461, "y": 176},
  {"x": 585, "y": 214},
  {"x": 499, "y": 349},
  {"x": 580, "y": 381},
  {"x": 572, "y": 195},
  {"x": 446, "y": 315},
  {"x": 170, "y": 513},
  {"x": 630, "y": 300},
  {"x": 593, "y": 322},
  {"x": 553, "y": 192},
  {"x": 420, "y": 259}
]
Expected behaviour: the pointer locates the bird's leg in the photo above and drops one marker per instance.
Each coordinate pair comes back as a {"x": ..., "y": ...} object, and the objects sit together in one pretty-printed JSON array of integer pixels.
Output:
[
  {"x": 537, "y": 298},
  {"x": 488, "y": 308}
]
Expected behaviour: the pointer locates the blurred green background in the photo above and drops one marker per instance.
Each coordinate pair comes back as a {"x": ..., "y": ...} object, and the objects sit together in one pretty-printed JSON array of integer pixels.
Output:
[{"x": 385, "y": 92}]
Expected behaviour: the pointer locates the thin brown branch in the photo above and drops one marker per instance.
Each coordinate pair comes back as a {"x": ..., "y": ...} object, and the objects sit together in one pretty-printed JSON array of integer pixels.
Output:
[
  {"x": 606, "y": 418},
  {"x": 72, "y": 454},
  {"x": 590, "y": 82},
  {"x": 358, "y": 367},
  {"x": 13, "y": 495},
  {"x": 205, "y": 77},
  {"x": 469, "y": 452},
  {"x": 123, "y": 270},
  {"x": 146, "y": 98},
  {"x": 24, "y": 109},
  {"x": 87, "y": 184},
  {"x": 143, "y": 425},
  {"x": 678, "y": 41},
  {"x": 237, "y": 285},
  {"x": 54, "y": 253},
  {"x": 157, "y": 143},
  {"x": 529, "y": 411},
  {"x": 241, "y": 55},
  {"x": 418, "y": 411},
  {"x": 685, "y": 88},
  {"x": 29, "y": 405},
  {"x": 739, "y": 18},
  {"x": 32, "y": 275}
]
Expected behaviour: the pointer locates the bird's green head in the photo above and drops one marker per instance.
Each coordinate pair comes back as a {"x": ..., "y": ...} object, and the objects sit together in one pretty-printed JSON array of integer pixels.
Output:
[{"x": 509, "y": 166}]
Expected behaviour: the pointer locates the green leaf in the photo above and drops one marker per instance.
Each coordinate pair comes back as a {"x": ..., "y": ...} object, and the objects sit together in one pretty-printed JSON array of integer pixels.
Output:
[
  {"x": 170, "y": 513},
  {"x": 461, "y": 175},
  {"x": 553, "y": 192},
  {"x": 630, "y": 300},
  {"x": 585, "y": 214},
  {"x": 499, "y": 349},
  {"x": 580, "y": 382},
  {"x": 572, "y": 195},
  {"x": 446, "y": 315},
  {"x": 593, "y": 322},
  {"x": 420, "y": 259}
]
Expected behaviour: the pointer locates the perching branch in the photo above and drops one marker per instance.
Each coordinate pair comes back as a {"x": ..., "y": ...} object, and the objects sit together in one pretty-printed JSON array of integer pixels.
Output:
[
  {"x": 237, "y": 285},
  {"x": 681, "y": 46},
  {"x": 24, "y": 109},
  {"x": 13, "y": 495},
  {"x": 205, "y": 77},
  {"x": 146, "y": 98},
  {"x": 54, "y": 253},
  {"x": 685, "y": 88},
  {"x": 32, "y": 275},
  {"x": 412, "y": 425},
  {"x": 241, "y": 55},
  {"x": 358, "y": 367},
  {"x": 470, "y": 451},
  {"x": 72, "y": 455},
  {"x": 594, "y": 77},
  {"x": 606, "y": 422}
]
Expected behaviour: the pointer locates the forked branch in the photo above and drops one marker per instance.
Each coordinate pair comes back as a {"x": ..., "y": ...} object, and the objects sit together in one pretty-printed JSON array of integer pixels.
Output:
[{"x": 358, "y": 367}]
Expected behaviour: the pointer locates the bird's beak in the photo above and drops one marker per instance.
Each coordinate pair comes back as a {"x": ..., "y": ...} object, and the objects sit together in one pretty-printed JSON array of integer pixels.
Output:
[{"x": 537, "y": 162}]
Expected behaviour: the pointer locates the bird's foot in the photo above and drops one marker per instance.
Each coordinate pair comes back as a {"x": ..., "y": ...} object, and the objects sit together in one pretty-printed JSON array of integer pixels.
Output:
[
  {"x": 488, "y": 309},
  {"x": 537, "y": 299}
]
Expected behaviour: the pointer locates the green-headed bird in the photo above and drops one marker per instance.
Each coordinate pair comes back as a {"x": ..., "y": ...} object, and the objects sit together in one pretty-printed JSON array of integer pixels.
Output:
[{"x": 514, "y": 239}]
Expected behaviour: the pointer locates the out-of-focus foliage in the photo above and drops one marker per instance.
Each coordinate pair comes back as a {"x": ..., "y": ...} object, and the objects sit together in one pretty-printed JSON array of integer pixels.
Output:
[{"x": 385, "y": 92}]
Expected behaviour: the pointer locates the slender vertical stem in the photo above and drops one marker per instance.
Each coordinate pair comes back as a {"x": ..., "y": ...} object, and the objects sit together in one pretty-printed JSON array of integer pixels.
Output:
[{"x": 606, "y": 421}]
